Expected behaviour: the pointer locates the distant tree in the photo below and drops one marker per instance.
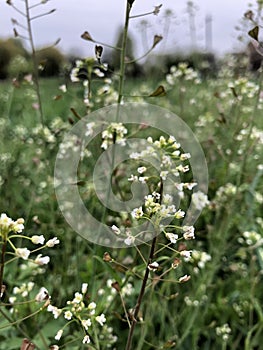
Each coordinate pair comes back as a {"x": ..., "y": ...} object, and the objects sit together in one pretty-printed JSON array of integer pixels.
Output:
[
  {"x": 132, "y": 69},
  {"x": 50, "y": 61},
  {"x": 9, "y": 49}
]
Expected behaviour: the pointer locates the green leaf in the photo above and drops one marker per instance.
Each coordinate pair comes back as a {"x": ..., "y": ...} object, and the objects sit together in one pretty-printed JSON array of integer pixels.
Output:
[
  {"x": 12, "y": 343},
  {"x": 253, "y": 33}
]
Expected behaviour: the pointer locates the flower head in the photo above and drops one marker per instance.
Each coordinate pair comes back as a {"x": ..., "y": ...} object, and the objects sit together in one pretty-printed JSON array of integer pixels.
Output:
[
  {"x": 59, "y": 334},
  {"x": 52, "y": 242},
  {"x": 22, "y": 253},
  {"x": 38, "y": 239},
  {"x": 68, "y": 315},
  {"x": 86, "y": 340},
  {"x": 42, "y": 295},
  {"x": 101, "y": 319},
  {"x": 42, "y": 260}
]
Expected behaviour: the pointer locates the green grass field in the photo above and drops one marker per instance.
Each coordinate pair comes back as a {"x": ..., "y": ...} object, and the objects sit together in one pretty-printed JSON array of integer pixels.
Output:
[{"x": 220, "y": 307}]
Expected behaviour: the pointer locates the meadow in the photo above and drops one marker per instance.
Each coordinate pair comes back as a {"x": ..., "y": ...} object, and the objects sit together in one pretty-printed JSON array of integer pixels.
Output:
[{"x": 189, "y": 287}]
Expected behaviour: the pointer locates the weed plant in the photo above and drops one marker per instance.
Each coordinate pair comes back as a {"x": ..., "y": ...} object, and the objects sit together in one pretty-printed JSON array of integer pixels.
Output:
[{"x": 186, "y": 288}]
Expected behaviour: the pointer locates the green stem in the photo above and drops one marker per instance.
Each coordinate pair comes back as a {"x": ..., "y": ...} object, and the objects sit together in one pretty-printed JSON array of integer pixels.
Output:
[
  {"x": 123, "y": 53},
  {"x": 140, "y": 297},
  {"x": 143, "y": 286},
  {"x": 120, "y": 91},
  {"x": 35, "y": 65},
  {"x": 120, "y": 95},
  {"x": 142, "y": 15},
  {"x": 2, "y": 264}
]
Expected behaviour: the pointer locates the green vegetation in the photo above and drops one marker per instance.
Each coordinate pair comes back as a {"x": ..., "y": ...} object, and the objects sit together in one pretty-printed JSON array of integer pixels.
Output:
[
  {"x": 60, "y": 290},
  {"x": 225, "y": 290}
]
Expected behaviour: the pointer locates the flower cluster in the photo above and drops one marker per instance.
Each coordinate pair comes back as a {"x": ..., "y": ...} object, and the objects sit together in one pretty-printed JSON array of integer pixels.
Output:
[
  {"x": 199, "y": 259},
  {"x": 10, "y": 229},
  {"x": 83, "y": 313},
  {"x": 7, "y": 225},
  {"x": 251, "y": 238},
  {"x": 224, "y": 331},
  {"x": 182, "y": 71},
  {"x": 224, "y": 193},
  {"x": 114, "y": 134},
  {"x": 84, "y": 70}
]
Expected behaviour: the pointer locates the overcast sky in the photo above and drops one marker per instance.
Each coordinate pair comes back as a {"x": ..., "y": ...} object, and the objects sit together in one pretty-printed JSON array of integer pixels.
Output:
[{"x": 103, "y": 18}]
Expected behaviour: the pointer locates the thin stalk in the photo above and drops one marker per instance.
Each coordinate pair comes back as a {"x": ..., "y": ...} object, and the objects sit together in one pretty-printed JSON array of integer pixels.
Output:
[
  {"x": 35, "y": 66},
  {"x": 17, "y": 325},
  {"x": 142, "y": 15},
  {"x": 123, "y": 53},
  {"x": 140, "y": 297},
  {"x": 120, "y": 95},
  {"x": 143, "y": 286},
  {"x": 42, "y": 15},
  {"x": 2, "y": 264}
]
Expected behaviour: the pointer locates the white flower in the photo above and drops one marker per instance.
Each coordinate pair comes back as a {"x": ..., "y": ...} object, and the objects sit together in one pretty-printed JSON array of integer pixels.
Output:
[
  {"x": 153, "y": 266},
  {"x": 86, "y": 323},
  {"x": 171, "y": 236},
  {"x": 42, "y": 295},
  {"x": 129, "y": 240},
  {"x": 141, "y": 169},
  {"x": 38, "y": 239},
  {"x": 133, "y": 178},
  {"x": 23, "y": 253},
  {"x": 182, "y": 169},
  {"x": 18, "y": 225},
  {"x": 186, "y": 254},
  {"x": 52, "y": 242},
  {"x": 101, "y": 319},
  {"x": 89, "y": 127},
  {"x": 189, "y": 232},
  {"x": 184, "y": 278},
  {"x": 179, "y": 214},
  {"x": 78, "y": 298},
  {"x": 143, "y": 179},
  {"x": 86, "y": 340},
  {"x": 59, "y": 334},
  {"x": 135, "y": 155},
  {"x": 98, "y": 72},
  {"x": 5, "y": 222},
  {"x": 68, "y": 315},
  {"x": 167, "y": 199},
  {"x": 200, "y": 200},
  {"x": 84, "y": 288},
  {"x": 137, "y": 213},
  {"x": 92, "y": 306},
  {"x": 185, "y": 156},
  {"x": 190, "y": 185},
  {"x": 42, "y": 260},
  {"x": 55, "y": 311},
  {"x": 163, "y": 174},
  {"x": 115, "y": 229},
  {"x": 63, "y": 88}
]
